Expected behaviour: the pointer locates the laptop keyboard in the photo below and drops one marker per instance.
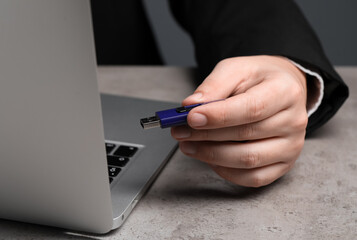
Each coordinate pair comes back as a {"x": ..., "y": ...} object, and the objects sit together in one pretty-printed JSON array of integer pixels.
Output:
[{"x": 118, "y": 156}]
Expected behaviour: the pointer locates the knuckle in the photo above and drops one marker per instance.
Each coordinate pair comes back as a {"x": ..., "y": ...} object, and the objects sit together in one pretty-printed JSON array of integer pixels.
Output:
[
  {"x": 222, "y": 116},
  {"x": 206, "y": 87},
  {"x": 246, "y": 132},
  {"x": 201, "y": 135},
  {"x": 298, "y": 124},
  {"x": 296, "y": 93},
  {"x": 296, "y": 144},
  {"x": 253, "y": 70},
  {"x": 299, "y": 144},
  {"x": 204, "y": 134},
  {"x": 255, "y": 108},
  {"x": 259, "y": 180},
  {"x": 228, "y": 175},
  {"x": 225, "y": 62},
  {"x": 251, "y": 159},
  {"x": 301, "y": 122},
  {"x": 210, "y": 154}
]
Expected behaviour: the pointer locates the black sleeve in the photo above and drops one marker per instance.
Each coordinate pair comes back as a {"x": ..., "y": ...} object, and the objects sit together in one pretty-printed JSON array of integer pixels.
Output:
[{"x": 229, "y": 28}]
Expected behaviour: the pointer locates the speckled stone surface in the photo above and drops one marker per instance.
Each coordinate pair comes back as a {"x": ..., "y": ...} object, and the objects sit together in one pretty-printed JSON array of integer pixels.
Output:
[{"x": 316, "y": 200}]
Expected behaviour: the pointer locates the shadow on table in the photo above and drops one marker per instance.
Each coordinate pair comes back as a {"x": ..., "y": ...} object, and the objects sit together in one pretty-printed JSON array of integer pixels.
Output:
[
  {"x": 188, "y": 180},
  {"x": 326, "y": 131},
  {"x": 229, "y": 192}
]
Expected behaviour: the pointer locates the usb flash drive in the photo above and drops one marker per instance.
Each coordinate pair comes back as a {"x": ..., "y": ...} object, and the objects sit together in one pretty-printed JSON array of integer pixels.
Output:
[{"x": 170, "y": 117}]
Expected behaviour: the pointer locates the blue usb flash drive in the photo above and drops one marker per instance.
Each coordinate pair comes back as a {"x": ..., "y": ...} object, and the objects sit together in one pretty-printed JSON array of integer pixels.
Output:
[{"x": 170, "y": 117}]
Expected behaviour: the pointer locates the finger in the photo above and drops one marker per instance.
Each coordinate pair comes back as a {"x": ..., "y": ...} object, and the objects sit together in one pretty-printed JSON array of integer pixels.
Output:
[
  {"x": 253, "y": 131},
  {"x": 258, "y": 103},
  {"x": 254, "y": 177},
  {"x": 281, "y": 124},
  {"x": 224, "y": 81},
  {"x": 244, "y": 155}
]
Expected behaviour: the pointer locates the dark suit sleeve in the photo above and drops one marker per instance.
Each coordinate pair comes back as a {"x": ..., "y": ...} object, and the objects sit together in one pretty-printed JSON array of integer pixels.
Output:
[{"x": 229, "y": 28}]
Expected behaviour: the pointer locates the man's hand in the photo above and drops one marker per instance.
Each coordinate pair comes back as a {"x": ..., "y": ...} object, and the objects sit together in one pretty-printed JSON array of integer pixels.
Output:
[{"x": 254, "y": 136}]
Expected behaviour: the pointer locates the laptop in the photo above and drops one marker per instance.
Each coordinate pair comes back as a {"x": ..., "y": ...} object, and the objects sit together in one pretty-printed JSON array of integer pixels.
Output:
[{"x": 69, "y": 157}]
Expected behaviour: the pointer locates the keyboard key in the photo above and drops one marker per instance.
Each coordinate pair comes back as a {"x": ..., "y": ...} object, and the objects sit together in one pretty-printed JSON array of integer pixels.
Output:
[
  {"x": 113, "y": 171},
  {"x": 109, "y": 147},
  {"x": 125, "y": 151},
  {"x": 117, "y": 161}
]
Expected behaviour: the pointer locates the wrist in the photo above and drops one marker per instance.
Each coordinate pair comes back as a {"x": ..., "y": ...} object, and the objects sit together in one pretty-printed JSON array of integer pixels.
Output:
[
  {"x": 315, "y": 88},
  {"x": 298, "y": 73}
]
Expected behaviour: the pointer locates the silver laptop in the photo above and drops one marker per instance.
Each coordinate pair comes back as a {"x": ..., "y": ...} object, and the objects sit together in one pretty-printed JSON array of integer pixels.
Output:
[{"x": 55, "y": 168}]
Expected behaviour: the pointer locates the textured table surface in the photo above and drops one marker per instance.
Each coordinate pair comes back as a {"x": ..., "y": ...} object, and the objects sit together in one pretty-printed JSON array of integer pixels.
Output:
[{"x": 316, "y": 200}]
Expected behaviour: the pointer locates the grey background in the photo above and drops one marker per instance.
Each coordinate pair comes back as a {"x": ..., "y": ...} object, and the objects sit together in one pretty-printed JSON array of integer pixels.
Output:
[{"x": 335, "y": 22}]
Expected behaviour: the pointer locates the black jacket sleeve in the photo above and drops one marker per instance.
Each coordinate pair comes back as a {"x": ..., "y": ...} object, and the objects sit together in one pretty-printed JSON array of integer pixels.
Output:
[{"x": 229, "y": 28}]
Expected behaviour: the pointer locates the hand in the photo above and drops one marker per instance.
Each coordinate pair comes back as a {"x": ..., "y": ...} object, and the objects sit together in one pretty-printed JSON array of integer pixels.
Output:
[{"x": 256, "y": 134}]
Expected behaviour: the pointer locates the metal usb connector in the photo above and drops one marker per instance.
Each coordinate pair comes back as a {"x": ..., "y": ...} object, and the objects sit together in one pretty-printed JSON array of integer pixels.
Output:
[{"x": 150, "y": 122}]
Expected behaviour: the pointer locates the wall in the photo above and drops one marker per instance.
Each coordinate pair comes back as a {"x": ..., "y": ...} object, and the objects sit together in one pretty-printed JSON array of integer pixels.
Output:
[{"x": 335, "y": 22}]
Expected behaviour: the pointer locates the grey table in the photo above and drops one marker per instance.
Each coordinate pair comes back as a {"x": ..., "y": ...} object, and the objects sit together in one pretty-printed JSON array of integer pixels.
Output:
[{"x": 316, "y": 200}]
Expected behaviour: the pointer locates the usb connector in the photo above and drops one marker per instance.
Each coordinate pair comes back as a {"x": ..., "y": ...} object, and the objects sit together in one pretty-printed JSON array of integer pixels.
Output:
[{"x": 150, "y": 122}]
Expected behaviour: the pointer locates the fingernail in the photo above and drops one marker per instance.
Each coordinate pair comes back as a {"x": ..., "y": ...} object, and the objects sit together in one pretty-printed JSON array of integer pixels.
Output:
[
  {"x": 181, "y": 132},
  {"x": 188, "y": 147},
  {"x": 194, "y": 97},
  {"x": 198, "y": 120}
]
